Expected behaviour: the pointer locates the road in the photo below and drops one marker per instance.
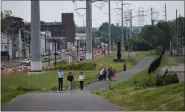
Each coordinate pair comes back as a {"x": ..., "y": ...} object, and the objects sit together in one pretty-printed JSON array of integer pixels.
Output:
[
  {"x": 43, "y": 64},
  {"x": 74, "y": 100}
]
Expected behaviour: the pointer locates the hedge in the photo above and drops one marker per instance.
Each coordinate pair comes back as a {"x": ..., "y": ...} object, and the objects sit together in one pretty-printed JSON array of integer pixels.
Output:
[{"x": 78, "y": 66}]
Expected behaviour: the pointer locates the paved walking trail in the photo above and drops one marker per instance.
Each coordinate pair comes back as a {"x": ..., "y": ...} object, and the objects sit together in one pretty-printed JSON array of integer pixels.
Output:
[{"x": 74, "y": 100}]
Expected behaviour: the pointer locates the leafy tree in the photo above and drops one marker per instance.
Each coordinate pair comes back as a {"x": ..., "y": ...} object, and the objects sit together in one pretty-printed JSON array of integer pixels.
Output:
[
  {"x": 153, "y": 35},
  {"x": 167, "y": 32}
]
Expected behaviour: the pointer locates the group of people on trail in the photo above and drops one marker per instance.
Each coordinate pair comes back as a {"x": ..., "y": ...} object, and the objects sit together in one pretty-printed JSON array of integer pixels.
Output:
[
  {"x": 70, "y": 80},
  {"x": 102, "y": 74}
]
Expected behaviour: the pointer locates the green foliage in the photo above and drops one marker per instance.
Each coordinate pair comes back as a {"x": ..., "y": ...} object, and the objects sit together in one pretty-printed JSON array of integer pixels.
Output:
[
  {"x": 166, "y": 79},
  {"x": 116, "y": 32},
  {"x": 125, "y": 96},
  {"x": 150, "y": 80},
  {"x": 158, "y": 49},
  {"x": 61, "y": 63},
  {"x": 79, "y": 66},
  {"x": 138, "y": 44}
]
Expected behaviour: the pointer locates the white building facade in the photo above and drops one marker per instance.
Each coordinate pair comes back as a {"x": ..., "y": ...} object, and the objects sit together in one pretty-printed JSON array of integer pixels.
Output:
[{"x": 6, "y": 44}]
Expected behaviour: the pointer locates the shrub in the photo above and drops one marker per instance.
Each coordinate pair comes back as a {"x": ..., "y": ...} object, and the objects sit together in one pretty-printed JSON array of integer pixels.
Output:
[
  {"x": 119, "y": 60},
  {"x": 61, "y": 62},
  {"x": 150, "y": 81},
  {"x": 158, "y": 50},
  {"x": 78, "y": 66},
  {"x": 166, "y": 79}
]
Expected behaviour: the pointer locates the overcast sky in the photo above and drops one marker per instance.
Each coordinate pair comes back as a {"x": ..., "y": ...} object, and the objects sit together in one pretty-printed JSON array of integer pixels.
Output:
[{"x": 51, "y": 10}]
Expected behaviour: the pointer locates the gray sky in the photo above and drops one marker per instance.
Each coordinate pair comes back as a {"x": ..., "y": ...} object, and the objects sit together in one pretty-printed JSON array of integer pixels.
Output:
[{"x": 51, "y": 10}]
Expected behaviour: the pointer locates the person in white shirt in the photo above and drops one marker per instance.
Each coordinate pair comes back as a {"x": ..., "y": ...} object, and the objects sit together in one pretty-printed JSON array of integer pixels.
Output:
[
  {"x": 81, "y": 79},
  {"x": 101, "y": 74},
  {"x": 60, "y": 79}
]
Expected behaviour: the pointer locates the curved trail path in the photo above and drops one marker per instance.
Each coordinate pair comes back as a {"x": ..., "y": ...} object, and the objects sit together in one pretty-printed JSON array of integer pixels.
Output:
[{"x": 75, "y": 100}]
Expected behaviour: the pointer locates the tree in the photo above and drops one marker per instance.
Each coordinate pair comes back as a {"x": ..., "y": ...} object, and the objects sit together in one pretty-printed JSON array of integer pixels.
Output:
[
  {"x": 153, "y": 35},
  {"x": 167, "y": 33},
  {"x": 9, "y": 21},
  {"x": 6, "y": 21}
]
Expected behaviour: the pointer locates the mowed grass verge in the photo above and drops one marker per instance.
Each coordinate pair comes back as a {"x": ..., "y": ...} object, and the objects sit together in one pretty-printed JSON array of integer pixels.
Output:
[
  {"x": 127, "y": 96},
  {"x": 16, "y": 84}
]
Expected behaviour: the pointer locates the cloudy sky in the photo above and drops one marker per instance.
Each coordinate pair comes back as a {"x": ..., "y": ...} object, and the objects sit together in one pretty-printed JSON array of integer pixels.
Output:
[{"x": 50, "y": 11}]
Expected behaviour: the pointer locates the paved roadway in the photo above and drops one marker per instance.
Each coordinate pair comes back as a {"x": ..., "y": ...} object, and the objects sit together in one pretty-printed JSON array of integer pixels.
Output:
[
  {"x": 75, "y": 100},
  {"x": 43, "y": 64}
]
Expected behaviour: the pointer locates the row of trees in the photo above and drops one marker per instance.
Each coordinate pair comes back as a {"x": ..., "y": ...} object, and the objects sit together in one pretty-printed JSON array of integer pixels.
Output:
[{"x": 157, "y": 35}]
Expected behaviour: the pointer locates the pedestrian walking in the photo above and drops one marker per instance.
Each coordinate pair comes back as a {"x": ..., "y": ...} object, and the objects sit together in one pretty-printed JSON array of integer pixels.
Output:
[
  {"x": 81, "y": 79},
  {"x": 70, "y": 79},
  {"x": 124, "y": 67},
  {"x": 114, "y": 75},
  {"x": 100, "y": 74},
  {"x": 104, "y": 74},
  {"x": 111, "y": 73},
  {"x": 60, "y": 80}
]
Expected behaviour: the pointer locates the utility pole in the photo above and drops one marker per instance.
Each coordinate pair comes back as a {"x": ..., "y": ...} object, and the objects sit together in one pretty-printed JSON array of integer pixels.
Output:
[
  {"x": 77, "y": 48},
  {"x": 55, "y": 53},
  {"x": 122, "y": 39},
  {"x": 55, "y": 46},
  {"x": 89, "y": 30},
  {"x": 130, "y": 23},
  {"x": 179, "y": 32},
  {"x": 109, "y": 49},
  {"x": 152, "y": 17},
  {"x": 45, "y": 42},
  {"x": 165, "y": 13},
  {"x": 130, "y": 34},
  {"x": 122, "y": 31}
]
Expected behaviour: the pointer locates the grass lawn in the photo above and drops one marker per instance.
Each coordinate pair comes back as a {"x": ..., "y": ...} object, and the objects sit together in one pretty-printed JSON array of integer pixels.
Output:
[
  {"x": 16, "y": 84},
  {"x": 127, "y": 97}
]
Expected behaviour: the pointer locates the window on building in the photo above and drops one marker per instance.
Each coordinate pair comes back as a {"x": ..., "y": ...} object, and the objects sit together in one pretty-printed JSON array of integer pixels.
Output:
[{"x": 5, "y": 46}]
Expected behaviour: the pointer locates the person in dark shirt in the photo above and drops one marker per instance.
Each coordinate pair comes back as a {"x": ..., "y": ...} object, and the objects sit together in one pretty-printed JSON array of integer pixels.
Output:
[
  {"x": 70, "y": 79},
  {"x": 111, "y": 73},
  {"x": 124, "y": 67}
]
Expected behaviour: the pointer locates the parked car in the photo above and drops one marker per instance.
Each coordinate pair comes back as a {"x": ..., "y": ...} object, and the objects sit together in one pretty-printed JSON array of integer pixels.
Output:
[{"x": 25, "y": 62}]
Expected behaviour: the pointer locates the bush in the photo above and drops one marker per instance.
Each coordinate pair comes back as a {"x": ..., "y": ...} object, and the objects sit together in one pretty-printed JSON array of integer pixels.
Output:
[
  {"x": 166, "y": 79},
  {"x": 150, "y": 81},
  {"x": 158, "y": 50},
  {"x": 61, "y": 62},
  {"x": 119, "y": 60},
  {"x": 79, "y": 66}
]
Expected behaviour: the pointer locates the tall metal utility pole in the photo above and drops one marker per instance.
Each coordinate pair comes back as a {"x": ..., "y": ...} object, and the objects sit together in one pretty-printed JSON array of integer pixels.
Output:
[
  {"x": 122, "y": 35},
  {"x": 176, "y": 22},
  {"x": 122, "y": 39},
  {"x": 45, "y": 42},
  {"x": 165, "y": 13},
  {"x": 36, "y": 63},
  {"x": 109, "y": 49},
  {"x": 89, "y": 30},
  {"x": 152, "y": 16},
  {"x": 130, "y": 14},
  {"x": 130, "y": 23}
]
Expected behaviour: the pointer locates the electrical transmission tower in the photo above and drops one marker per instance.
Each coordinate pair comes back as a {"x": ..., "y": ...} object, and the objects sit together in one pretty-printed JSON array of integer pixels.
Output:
[{"x": 141, "y": 16}]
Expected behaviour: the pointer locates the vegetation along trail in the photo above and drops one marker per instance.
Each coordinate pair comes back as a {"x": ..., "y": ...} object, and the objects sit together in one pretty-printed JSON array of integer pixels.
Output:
[{"x": 72, "y": 101}]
